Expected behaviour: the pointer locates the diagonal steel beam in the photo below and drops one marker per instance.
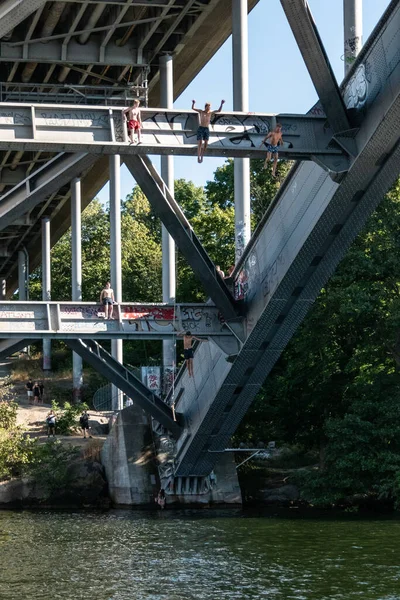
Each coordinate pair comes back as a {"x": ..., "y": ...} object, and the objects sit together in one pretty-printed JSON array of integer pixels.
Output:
[
  {"x": 41, "y": 184},
  {"x": 310, "y": 45},
  {"x": 116, "y": 373},
  {"x": 153, "y": 186},
  {"x": 13, "y": 12}
]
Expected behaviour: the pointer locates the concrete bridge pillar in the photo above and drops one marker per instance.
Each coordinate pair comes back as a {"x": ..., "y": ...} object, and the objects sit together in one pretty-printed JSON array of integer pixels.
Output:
[
  {"x": 240, "y": 64},
  {"x": 115, "y": 256},
  {"x": 76, "y": 243},
  {"x": 46, "y": 285},
  {"x": 168, "y": 244}
]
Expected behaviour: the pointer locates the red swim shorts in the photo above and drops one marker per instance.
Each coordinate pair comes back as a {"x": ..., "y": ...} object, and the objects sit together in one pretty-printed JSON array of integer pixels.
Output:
[{"x": 133, "y": 124}]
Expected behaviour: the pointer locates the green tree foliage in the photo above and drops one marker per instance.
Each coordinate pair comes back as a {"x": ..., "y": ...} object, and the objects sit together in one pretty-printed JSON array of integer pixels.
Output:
[
  {"x": 50, "y": 465},
  {"x": 336, "y": 386},
  {"x": 15, "y": 448}
]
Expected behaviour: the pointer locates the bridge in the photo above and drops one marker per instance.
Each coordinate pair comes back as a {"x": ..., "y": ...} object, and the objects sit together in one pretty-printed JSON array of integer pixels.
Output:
[{"x": 348, "y": 155}]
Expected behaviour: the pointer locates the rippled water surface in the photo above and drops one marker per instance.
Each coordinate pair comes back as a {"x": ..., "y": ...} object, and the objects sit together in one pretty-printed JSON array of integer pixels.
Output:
[{"x": 189, "y": 556}]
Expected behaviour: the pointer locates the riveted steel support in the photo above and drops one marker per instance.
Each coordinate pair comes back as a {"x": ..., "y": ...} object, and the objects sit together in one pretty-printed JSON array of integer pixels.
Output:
[
  {"x": 352, "y": 21},
  {"x": 168, "y": 244},
  {"x": 115, "y": 256},
  {"x": 46, "y": 285},
  {"x": 240, "y": 63},
  {"x": 76, "y": 241}
]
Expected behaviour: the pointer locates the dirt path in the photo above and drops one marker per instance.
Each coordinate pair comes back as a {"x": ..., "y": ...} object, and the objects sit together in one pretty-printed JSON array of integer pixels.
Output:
[{"x": 33, "y": 417}]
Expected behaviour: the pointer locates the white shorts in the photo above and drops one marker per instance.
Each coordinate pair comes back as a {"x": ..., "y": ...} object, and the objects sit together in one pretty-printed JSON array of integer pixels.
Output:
[{"x": 30, "y": 393}]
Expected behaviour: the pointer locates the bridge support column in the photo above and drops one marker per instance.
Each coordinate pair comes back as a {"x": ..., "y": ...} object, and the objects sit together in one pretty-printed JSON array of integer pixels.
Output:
[
  {"x": 168, "y": 244},
  {"x": 46, "y": 285},
  {"x": 22, "y": 276},
  {"x": 352, "y": 19},
  {"x": 76, "y": 242},
  {"x": 115, "y": 256},
  {"x": 240, "y": 60}
]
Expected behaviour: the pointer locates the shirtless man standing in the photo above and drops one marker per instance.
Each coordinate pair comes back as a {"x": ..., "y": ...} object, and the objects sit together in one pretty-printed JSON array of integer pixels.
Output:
[
  {"x": 107, "y": 299},
  {"x": 188, "y": 339},
  {"x": 203, "y": 132},
  {"x": 133, "y": 118},
  {"x": 274, "y": 140}
]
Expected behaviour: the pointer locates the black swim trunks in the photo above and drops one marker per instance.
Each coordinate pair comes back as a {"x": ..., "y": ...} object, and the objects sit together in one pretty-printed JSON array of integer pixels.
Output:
[
  {"x": 188, "y": 353},
  {"x": 203, "y": 133}
]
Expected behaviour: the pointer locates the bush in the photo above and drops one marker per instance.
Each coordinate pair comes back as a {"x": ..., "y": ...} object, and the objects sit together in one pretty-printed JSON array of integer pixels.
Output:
[
  {"x": 49, "y": 465},
  {"x": 67, "y": 417},
  {"x": 8, "y": 415},
  {"x": 15, "y": 452}
]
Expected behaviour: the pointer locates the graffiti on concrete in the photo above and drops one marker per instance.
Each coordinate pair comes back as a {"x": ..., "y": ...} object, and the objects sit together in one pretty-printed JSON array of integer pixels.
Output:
[
  {"x": 73, "y": 119},
  {"x": 356, "y": 91},
  {"x": 225, "y": 131}
]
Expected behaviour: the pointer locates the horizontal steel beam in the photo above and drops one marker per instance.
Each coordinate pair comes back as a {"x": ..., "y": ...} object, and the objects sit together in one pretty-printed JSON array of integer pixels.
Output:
[
  {"x": 71, "y": 320},
  {"x": 126, "y": 381},
  {"x": 73, "y": 52},
  {"x": 101, "y": 130}
]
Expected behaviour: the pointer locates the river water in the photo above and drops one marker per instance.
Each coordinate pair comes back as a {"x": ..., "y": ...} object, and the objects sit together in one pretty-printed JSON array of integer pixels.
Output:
[{"x": 192, "y": 555}]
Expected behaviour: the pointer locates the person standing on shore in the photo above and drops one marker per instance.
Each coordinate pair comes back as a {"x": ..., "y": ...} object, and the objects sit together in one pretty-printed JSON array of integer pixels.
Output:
[{"x": 29, "y": 389}]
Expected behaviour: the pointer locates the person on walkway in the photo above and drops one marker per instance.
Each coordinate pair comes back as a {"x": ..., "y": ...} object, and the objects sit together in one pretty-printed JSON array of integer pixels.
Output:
[
  {"x": 29, "y": 389},
  {"x": 36, "y": 393},
  {"x": 41, "y": 389},
  {"x": 84, "y": 423},
  {"x": 274, "y": 140},
  {"x": 188, "y": 340},
  {"x": 133, "y": 118},
  {"x": 51, "y": 424},
  {"x": 129, "y": 402},
  {"x": 220, "y": 272},
  {"x": 107, "y": 299},
  {"x": 161, "y": 499},
  {"x": 203, "y": 131}
]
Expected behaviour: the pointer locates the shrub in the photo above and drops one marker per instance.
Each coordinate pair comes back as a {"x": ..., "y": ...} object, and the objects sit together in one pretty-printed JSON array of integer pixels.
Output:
[
  {"x": 49, "y": 465},
  {"x": 8, "y": 415},
  {"x": 67, "y": 417}
]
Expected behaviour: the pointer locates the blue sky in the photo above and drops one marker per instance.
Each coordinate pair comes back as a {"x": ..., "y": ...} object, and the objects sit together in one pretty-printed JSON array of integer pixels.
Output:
[{"x": 278, "y": 79}]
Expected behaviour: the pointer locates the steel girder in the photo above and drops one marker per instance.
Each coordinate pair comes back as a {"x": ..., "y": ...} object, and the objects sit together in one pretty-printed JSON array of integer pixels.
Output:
[
  {"x": 47, "y": 180},
  {"x": 13, "y": 12},
  {"x": 62, "y": 320},
  {"x": 100, "y": 130},
  {"x": 116, "y": 373},
  {"x": 153, "y": 186},
  {"x": 317, "y": 62}
]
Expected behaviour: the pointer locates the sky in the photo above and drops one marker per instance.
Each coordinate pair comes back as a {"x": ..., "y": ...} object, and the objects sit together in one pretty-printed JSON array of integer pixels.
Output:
[{"x": 278, "y": 79}]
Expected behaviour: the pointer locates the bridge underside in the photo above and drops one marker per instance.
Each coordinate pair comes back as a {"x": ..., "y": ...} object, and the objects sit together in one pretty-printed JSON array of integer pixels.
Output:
[{"x": 291, "y": 255}]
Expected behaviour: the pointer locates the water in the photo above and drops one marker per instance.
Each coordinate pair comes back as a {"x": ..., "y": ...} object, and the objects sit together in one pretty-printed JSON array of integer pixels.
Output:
[{"x": 124, "y": 555}]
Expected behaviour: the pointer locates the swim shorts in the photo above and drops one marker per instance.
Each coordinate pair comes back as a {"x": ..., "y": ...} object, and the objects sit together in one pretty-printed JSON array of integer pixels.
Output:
[
  {"x": 203, "y": 133},
  {"x": 272, "y": 149},
  {"x": 188, "y": 353},
  {"x": 133, "y": 124},
  {"x": 107, "y": 301}
]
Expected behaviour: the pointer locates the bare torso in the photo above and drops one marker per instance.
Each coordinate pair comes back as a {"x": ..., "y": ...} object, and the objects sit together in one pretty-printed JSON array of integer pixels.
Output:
[
  {"x": 275, "y": 138},
  {"x": 187, "y": 342},
  {"x": 107, "y": 293},
  {"x": 205, "y": 118},
  {"x": 133, "y": 114}
]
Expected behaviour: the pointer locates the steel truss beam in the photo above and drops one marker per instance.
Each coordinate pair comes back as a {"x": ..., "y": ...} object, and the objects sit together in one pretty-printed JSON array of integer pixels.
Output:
[
  {"x": 153, "y": 186},
  {"x": 13, "y": 12},
  {"x": 100, "y": 130},
  {"x": 41, "y": 185},
  {"x": 130, "y": 385},
  {"x": 310, "y": 45},
  {"x": 57, "y": 52},
  {"x": 62, "y": 320}
]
